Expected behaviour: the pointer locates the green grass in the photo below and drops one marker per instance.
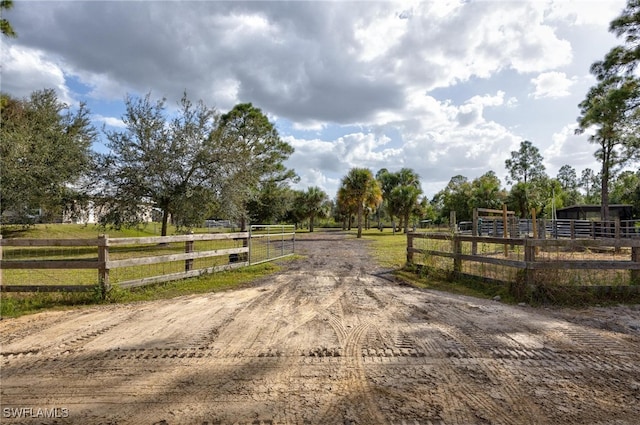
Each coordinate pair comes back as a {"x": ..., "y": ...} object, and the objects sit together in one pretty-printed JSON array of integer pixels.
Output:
[
  {"x": 18, "y": 304},
  {"x": 86, "y": 231},
  {"x": 389, "y": 249}
]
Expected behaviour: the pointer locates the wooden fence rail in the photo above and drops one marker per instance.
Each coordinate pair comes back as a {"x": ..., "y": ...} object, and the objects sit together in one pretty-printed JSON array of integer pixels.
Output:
[
  {"x": 103, "y": 264},
  {"x": 531, "y": 262}
]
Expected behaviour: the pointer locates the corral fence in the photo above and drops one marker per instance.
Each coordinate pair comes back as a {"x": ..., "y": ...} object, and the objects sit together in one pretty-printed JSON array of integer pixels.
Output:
[
  {"x": 76, "y": 265},
  {"x": 607, "y": 264},
  {"x": 491, "y": 222}
]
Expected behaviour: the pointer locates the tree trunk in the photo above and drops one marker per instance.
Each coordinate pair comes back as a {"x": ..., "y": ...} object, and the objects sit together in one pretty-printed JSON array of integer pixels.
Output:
[
  {"x": 243, "y": 223},
  {"x": 360, "y": 210},
  {"x": 406, "y": 223},
  {"x": 311, "y": 224},
  {"x": 165, "y": 221},
  {"x": 604, "y": 192}
]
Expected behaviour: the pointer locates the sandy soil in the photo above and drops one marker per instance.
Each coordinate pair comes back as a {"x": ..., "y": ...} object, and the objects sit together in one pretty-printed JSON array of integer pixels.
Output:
[{"x": 333, "y": 339}]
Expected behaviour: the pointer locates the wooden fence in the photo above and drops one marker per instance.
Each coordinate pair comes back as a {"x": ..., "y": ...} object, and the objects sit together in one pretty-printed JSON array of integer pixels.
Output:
[
  {"x": 219, "y": 251},
  {"x": 528, "y": 255}
]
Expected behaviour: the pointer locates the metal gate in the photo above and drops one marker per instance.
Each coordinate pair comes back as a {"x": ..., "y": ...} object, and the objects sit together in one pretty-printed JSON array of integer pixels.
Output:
[{"x": 270, "y": 242}]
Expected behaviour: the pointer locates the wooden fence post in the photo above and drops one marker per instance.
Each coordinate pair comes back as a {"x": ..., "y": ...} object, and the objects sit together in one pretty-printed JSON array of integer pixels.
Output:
[
  {"x": 103, "y": 264},
  {"x": 475, "y": 232},
  {"x": 572, "y": 229},
  {"x": 529, "y": 258},
  {"x": 409, "y": 248},
  {"x": 534, "y": 223},
  {"x": 0, "y": 260},
  {"x": 188, "y": 263},
  {"x": 457, "y": 251},
  {"x": 505, "y": 228},
  {"x": 635, "y": 257}
]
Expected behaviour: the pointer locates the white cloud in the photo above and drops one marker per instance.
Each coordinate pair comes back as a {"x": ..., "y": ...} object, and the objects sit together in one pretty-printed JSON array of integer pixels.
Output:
[
  {"x": 584, "y": 12},
  {"x": 436, "y": 143},
  {"x": 25, "y": 70},
  {"x": 438, "y": 86},
  {"x": 569, "y": 148},
  {"x": 552, "y": 85},
  {"x": 110, "y": 121}
]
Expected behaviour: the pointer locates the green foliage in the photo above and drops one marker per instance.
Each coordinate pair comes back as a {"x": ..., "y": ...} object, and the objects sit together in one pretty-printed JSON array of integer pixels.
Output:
[
  {"x": 568, "y": 180},
  {"x": 486, "y": 192},
  {"x": 255, "y": 156},
  {"x": 525, "y": 164},
  {"x": 359, "y": 190},
  {"x": 5, "y": 25},
  {"x": 610, "y": 108},
  {"x": 463, "y": 196},
  {"x": 455, "y": 197},
  {"x": 191, "y": 166},
  {"x": 626, "y": 190},
  {"x": 400, "y": 192},
  {"x": 311, "y": 204},
  {"x": 170, "y": 164},
  {"x": 590, "y": 183},
  {"x": 274, "y": 203},
  {"x": 45, "y": 148}
]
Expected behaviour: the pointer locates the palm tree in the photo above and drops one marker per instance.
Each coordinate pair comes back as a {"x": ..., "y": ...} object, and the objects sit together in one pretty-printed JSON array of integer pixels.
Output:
[
  {"x": 363, "y": 190},
  {"x": 345, "y": 208},
  {"x": 373, "y": 200},
  {"x": 388, "y": 181},
  {"x": 315, "y": 204},
  {"x": 405, "y": 199},
  {"x": 409, "y": 184}
]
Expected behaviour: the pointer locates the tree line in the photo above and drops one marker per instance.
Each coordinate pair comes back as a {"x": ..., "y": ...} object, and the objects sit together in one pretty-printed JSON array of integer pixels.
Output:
[
  {"x": 194, "y": 164},
  {"x": 533, "y": 189}
]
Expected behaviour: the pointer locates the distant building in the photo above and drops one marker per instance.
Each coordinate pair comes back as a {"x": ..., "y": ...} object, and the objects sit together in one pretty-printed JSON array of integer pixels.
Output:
[{"x": 592, "y": 212}]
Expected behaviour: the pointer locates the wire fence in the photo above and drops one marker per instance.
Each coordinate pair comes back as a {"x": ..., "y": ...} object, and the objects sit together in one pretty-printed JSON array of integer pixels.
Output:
[
  {"x": 269, "y": 242},
  {"x": 569, "y": 262}
]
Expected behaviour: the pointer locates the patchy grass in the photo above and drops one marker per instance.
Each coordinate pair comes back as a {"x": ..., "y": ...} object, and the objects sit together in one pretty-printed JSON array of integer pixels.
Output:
[
  {"x": 462, "y": 286},
  {"x": 390, "y": 250}
]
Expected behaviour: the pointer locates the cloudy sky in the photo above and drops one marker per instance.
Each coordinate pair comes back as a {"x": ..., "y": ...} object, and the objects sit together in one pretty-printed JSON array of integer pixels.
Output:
[{"x": 443, "y": 87}]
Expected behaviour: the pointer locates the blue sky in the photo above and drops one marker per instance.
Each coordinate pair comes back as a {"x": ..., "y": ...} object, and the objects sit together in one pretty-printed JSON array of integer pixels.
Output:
[{"x": 443, "y": 87}]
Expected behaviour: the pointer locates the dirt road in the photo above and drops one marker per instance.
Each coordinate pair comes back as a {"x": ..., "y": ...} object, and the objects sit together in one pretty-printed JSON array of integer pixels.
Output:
[{"x": 331, "y": 340}]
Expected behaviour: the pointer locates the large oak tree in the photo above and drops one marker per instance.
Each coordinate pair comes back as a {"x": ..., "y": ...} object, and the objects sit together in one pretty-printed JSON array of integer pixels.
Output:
[
  {"x": 190, "y": 166},
  {"x": 45, "y": 148}
]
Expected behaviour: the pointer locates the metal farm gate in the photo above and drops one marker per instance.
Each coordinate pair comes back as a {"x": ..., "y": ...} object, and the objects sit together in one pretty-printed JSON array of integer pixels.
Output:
[{"x": 270, "y": 242}]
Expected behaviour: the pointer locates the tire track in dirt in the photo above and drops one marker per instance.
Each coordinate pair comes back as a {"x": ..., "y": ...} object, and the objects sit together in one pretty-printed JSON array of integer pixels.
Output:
[{"x": 353, "y": 378}]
